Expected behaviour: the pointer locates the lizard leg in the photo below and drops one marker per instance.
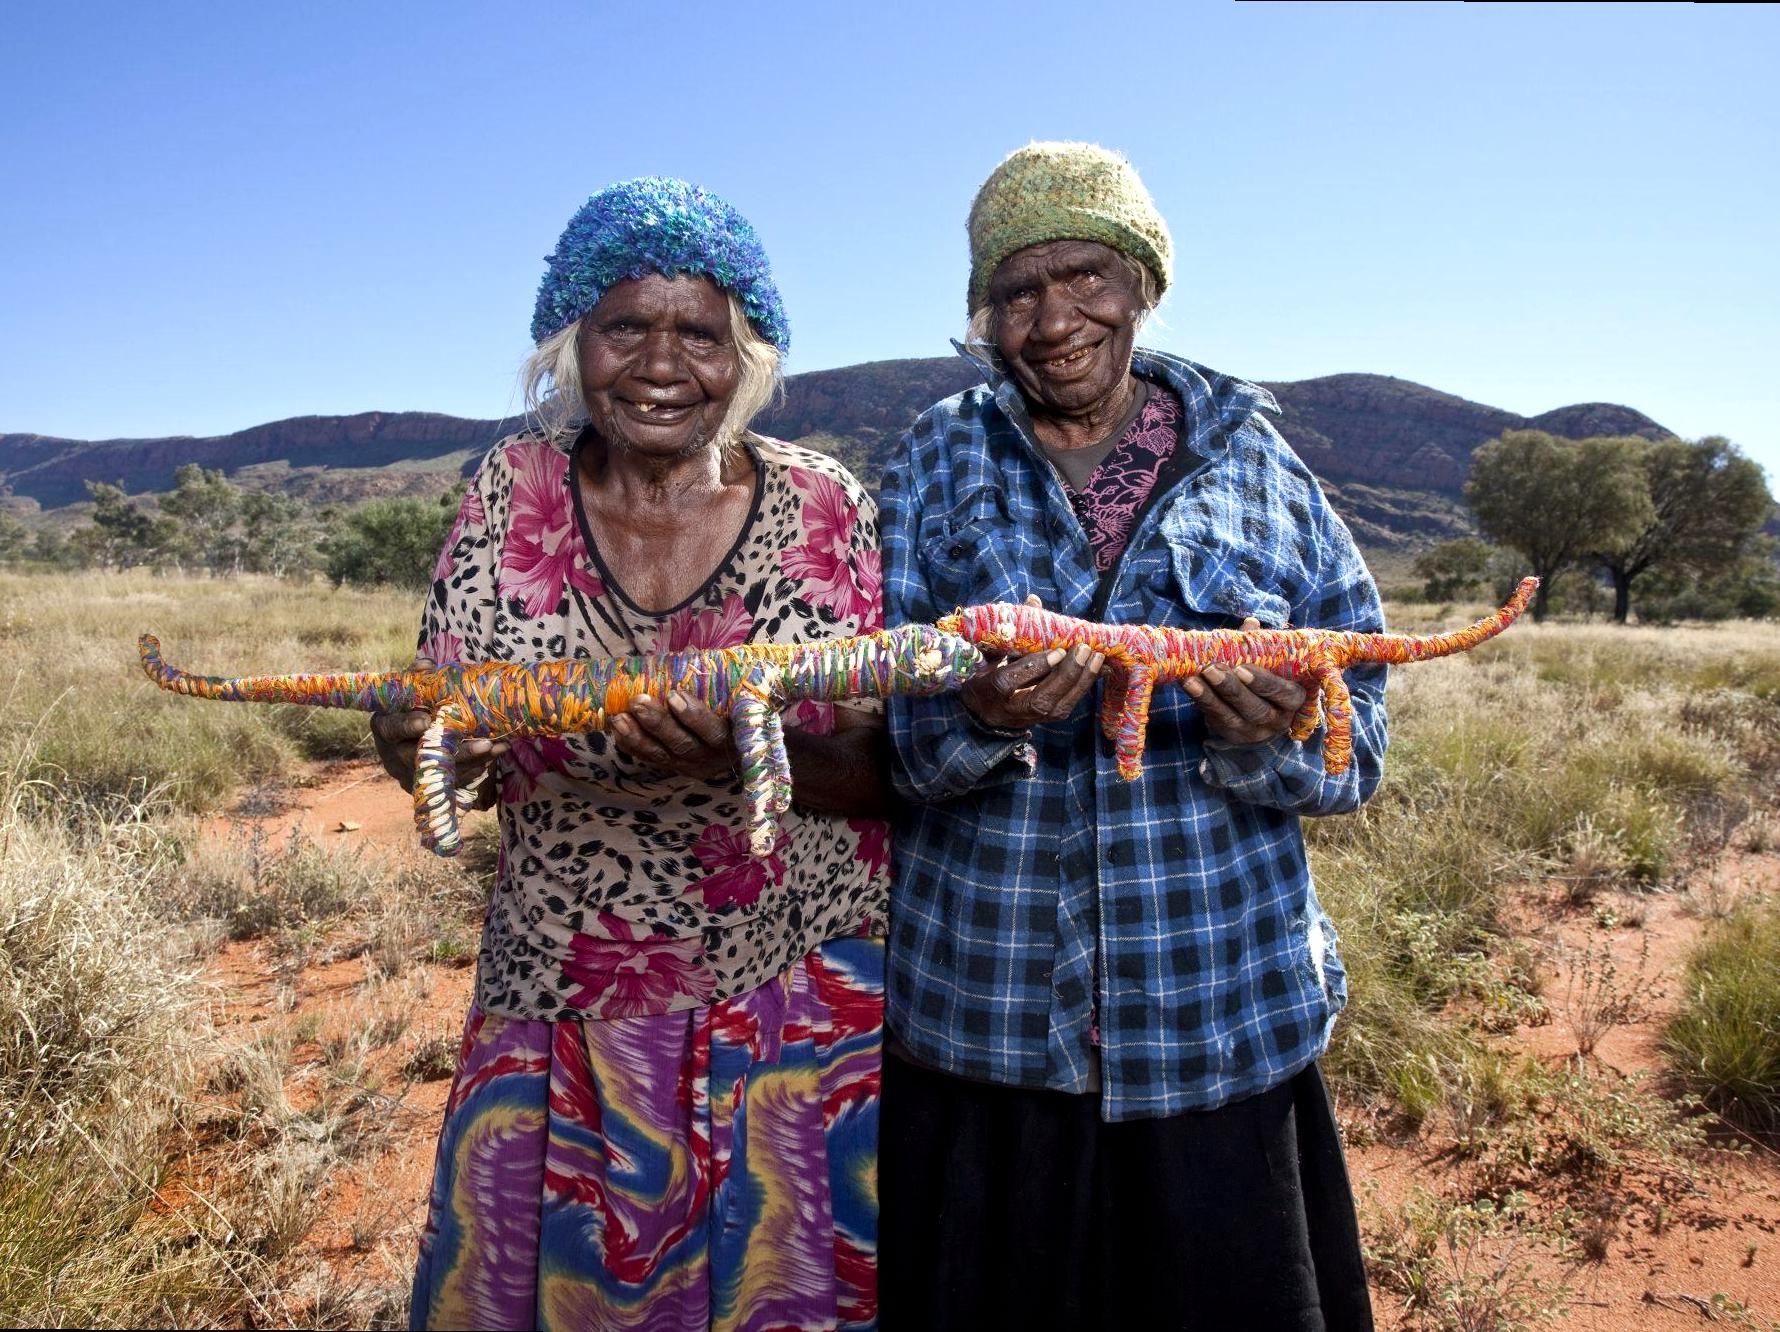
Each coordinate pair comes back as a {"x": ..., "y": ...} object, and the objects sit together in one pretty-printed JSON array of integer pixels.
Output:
[
  {"x": 1310, "y": 714},
  {"x": 435, "y": 782},
  {"x": 1133, "y": 721},
  {"x": 1112, "y": 698},
  {"x": 752, "y": 718},
  {"x": 780, "y": 799},
  {"x": 1338, "y": 744}
]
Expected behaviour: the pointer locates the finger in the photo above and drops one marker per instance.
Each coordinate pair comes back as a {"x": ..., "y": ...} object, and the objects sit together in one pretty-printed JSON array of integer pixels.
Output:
[
  {"x": 396, "y": 727},
  {"x": 1049, "y": 699},
  {"x": 1032, "y": 600},
  {"x": 1218, "y": 714},
  {"x": 1026, "y": 671},
  {"x": 1251, "y": 623},
  {"x": 1276, "y": 689},
  {"x": 1243, "y": 701},
  {"x": 637, "y": 743},
  {"x": 662, "y": 727},
  {"x": 421, "y": 663},
  {"x": 1090, "y": 673},
  {"x": 712, "y": 731}
]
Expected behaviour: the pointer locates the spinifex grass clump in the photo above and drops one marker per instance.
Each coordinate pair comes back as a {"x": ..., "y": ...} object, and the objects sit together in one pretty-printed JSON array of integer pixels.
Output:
[
  {"x": 1725, "y": 1041},
  {"x": 98, "y": 1023}
]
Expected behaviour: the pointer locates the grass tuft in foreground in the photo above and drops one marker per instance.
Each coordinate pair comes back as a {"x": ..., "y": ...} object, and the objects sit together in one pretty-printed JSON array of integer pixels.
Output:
[{"x": 1725, "y": 1041}]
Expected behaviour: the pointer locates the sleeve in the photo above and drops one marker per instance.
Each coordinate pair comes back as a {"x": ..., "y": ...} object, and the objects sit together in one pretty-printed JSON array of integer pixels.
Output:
[
  {"x": 1284, "y": 773},
  {"x": 939, "y": 749},
  {"x": 457, "y": 621}
]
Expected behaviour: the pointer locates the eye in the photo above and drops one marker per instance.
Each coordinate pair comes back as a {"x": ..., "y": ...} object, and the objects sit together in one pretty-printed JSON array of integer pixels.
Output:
[{"x": 702, "y": 338}]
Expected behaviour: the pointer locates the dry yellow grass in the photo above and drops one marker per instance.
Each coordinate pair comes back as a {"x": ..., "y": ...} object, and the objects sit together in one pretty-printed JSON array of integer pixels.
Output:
[{"x": 75, "y": 701}]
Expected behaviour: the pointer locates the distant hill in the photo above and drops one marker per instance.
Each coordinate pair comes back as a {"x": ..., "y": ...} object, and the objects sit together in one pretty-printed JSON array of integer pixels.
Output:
[{"x": 1393, "y": 453}]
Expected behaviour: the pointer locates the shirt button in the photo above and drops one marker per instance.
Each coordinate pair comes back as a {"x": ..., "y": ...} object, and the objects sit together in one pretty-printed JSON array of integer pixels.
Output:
[{"x": 1115, "y": 854}]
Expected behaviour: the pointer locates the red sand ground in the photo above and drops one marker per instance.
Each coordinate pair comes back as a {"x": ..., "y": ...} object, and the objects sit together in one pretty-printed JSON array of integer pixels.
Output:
[{"x": 1722, "y": 1238}]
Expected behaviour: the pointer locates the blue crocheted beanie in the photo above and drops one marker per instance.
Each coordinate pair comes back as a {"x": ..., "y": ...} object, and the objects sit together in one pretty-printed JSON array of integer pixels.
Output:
[{"x": 657, "y": 224}]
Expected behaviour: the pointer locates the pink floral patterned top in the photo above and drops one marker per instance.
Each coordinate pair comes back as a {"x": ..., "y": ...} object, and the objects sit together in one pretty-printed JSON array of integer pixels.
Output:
[{"x": 622, "y": 890}]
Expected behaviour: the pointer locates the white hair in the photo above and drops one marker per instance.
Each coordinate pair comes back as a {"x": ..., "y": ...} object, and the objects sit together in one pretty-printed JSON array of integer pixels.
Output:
[
  {"x": 550, "y": 379},
  {"x": 979, "y": 332}
]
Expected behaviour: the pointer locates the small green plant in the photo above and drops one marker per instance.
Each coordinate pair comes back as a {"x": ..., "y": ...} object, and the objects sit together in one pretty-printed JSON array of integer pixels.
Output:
[
  {"x": 1599, "y": 998},
  {"x": 1463, "y": 1268}
]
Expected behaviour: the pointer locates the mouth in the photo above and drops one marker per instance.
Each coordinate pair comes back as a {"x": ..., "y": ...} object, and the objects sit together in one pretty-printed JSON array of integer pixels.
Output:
[
  {"x": 1068, "y": 364},
  {"x": 656, "y": 413}
]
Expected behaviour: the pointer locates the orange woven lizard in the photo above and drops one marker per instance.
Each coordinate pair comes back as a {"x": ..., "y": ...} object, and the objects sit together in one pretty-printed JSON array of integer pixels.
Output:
[{"x": 1140, "y": 657}]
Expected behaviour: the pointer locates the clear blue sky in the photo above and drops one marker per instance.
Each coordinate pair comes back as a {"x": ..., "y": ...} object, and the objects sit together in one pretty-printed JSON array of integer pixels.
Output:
[{"x": 221, "y": 214}]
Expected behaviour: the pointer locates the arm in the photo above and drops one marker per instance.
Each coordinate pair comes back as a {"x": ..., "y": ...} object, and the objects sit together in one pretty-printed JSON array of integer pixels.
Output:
[
  {"x": 940, "y": 749},
  {"x": 1279, "y": 772}
]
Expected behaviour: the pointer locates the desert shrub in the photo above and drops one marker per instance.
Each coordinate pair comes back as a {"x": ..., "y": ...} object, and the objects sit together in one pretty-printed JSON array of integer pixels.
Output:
[
  {"x": 388, "y": 541},
  {"x": 1725, "y": 1041}
]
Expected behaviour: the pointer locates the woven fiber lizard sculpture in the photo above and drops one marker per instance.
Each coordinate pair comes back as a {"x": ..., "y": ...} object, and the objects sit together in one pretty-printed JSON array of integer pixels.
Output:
[
  {"x": 1140, "y": 657},
  {"x": 747, "y": 684}
]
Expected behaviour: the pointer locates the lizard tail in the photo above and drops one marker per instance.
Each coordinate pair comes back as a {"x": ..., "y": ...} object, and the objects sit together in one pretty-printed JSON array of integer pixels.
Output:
[
  {"x": 1396, "y": 648},
  {"x": 364, "y": 691}
]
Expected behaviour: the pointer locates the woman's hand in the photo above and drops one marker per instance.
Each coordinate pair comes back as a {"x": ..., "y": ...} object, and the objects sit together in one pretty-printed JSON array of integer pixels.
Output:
[
  {"x": 1247, "y": 706},
  {"x": 1023, "y": 692},
  {"x": 397, "y": 737},
  {"x": 685, "y": 737}
]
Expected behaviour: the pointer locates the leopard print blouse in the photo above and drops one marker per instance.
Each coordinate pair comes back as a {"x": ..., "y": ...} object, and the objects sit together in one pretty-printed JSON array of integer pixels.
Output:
[{"x": 622, "y": 890}]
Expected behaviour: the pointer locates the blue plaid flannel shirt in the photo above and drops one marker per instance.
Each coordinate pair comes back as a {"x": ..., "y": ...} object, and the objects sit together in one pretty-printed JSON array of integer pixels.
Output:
[{"x": 1034, "y": 890}]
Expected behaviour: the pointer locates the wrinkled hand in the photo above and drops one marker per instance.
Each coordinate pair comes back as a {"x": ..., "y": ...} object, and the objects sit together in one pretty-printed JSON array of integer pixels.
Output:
[
  {"x": 1247, "y": 706},
  {"x": 684, "y": 737},
  {"x": 1028, "y": 691},
  {"x": 397, "y": 737}
]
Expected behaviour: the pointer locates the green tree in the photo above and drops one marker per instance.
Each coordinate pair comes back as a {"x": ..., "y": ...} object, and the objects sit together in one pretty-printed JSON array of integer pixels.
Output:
[
  {"x": 205, "y": 505},
  {"x": 121, "y": 534},
  {"x": 1556, "y": 500},
  {"x": 387, "y": 541},
  {"x": 1453, "y": 568},
  {"x": 15, "y": 538},
  {"x": 1707, "y": 502},
  {"x": 279, "y": 534}
]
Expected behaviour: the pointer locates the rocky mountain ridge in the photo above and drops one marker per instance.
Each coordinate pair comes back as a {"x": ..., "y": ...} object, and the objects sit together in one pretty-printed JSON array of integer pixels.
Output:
[{"x": 1393, "y": 453}]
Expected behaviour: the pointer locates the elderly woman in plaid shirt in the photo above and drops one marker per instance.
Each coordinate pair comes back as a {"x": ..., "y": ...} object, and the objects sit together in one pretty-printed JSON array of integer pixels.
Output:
[{"x": 1101, "y": 1102}]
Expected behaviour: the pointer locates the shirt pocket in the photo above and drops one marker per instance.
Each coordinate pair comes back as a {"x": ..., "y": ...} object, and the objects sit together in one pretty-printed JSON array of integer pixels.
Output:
[
  {"x": 1210, "y": 575},
  {"x": 969, "y": 556}
]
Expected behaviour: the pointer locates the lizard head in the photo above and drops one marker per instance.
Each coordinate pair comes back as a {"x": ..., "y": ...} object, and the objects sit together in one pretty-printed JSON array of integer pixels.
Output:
[{"x": 930, "y": 660}]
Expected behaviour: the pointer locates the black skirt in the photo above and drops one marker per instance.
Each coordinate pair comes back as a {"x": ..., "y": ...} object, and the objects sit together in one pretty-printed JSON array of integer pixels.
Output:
[{"x": 1005, "y": 1207}]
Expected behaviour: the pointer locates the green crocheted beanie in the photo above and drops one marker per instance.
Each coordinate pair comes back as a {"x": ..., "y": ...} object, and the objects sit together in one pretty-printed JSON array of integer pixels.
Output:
[{"x": 1065, "y": 191}]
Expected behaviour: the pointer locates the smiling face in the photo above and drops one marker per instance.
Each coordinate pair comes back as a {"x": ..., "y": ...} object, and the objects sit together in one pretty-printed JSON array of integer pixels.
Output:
[
  {"x": 658, "y": 365},
  {"x": 1065, "y": 318}
]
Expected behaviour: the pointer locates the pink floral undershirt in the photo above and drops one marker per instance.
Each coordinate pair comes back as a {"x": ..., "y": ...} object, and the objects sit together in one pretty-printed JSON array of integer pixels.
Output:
[{"x": 1108, "y": 505}]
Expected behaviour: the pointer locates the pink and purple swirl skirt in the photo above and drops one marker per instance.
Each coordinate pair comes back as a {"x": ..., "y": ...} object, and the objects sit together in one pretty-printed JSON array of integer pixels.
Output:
[{"x": 714, "y": 1167}]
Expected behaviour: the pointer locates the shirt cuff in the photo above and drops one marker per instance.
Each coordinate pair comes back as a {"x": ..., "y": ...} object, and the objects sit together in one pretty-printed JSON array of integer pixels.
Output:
[
  {"x": 971, "y": 759},
  {"x": 1244, "y": 769}
]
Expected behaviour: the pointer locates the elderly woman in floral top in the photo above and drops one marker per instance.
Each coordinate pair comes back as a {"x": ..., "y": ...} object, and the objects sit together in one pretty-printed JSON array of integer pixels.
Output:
[{"x": 665, "y": 1106}]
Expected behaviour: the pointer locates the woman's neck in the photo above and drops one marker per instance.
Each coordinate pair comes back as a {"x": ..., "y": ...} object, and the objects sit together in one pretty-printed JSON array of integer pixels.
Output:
[
  {"x": 627, "y": 478},
  {"x": 1078, "y": 430}
]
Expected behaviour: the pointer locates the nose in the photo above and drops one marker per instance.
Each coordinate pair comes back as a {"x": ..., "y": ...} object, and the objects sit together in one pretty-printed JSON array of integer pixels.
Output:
[
  {"x": 1058, "y": 315},
  {"x": 658, "y": 360}
]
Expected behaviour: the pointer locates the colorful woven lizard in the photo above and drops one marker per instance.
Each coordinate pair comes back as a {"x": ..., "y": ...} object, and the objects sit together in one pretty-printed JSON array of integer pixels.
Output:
[
  {"x": 1139, "y": 658},
  {"x": 748, "y": 684}
]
